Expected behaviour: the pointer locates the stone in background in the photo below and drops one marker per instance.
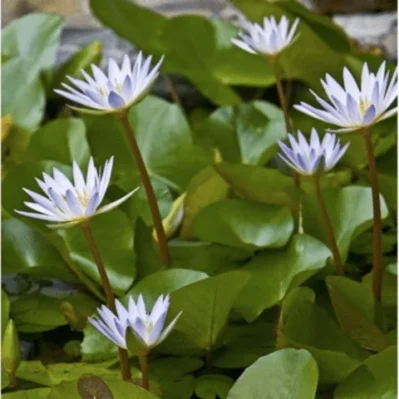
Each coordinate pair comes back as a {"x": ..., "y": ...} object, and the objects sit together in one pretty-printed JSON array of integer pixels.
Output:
[{"x": 369, "y": 29}]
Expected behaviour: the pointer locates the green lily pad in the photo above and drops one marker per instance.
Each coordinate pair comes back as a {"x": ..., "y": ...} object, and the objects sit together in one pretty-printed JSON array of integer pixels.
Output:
[
  {"x": 273, "y": 274},
  {"x": 27, "y": 251},
  {"x": 351, "y": 213},
  {"x": 376, "y": 378},
  {"x": 114, "y": 236},
  {"x": 246, "y": 133},
  {"x": 205, "y": 307},
  {"x": 204, "y": 189},
  {"x": 164, "y": 282},
  {"x": 213, "y": 386},
  {"x": 287, "y": 373},
  {"x": 355, "y": 309},
  {"x": 255, "y": 183},
  {"x": 308, "y": 326},
  {"x": 244, "y": 224},
  {"x": 62, "y": 140}
]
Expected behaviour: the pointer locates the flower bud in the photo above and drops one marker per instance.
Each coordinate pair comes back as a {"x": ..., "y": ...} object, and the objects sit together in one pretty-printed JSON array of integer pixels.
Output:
[
  {"x": 11, "y": 354},
  {"x": 74, "y": 317}
]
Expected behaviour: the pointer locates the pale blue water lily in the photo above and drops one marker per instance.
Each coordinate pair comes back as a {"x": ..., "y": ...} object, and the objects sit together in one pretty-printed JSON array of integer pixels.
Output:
[
  {"x": 268, "y": 39},
  {"x": 68, "y": 203},
  {"x": 148, "y": 327},
  {"x": 314, "y": 157},
  {"x": 120, "y": 89},
  {"x": 352, "y": 107}
]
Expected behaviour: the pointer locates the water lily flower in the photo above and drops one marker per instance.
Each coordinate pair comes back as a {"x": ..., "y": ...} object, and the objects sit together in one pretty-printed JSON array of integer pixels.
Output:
[
  {"x": 311, "y": 158},
  {"x": 119, "y": 90},
  {"x": 270, "y": 39},
  {"x": 352, "y": 107},
  {"x": 69, "y": 203},
  {"x": 148, "y": 328}
]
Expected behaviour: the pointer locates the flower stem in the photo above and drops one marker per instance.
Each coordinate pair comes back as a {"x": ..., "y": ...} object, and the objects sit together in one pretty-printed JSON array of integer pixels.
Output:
[
  {"x": 123, "y": 356},
  {"x": 330, "y": 232},
  {"x": 377, "y": 233},
  {"x": 145, "y": 383},
  {"x": 281, "y": 95},
  {"x": 208, "y": 359},
  {"x": 288, "y": 128},
  {"x": 152, "y": 201},
  {"x": 13, "y": 380}
]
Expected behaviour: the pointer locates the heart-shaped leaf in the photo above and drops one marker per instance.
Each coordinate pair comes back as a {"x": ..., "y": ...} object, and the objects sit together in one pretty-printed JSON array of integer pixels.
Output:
[{"x": 273, "y": 274}]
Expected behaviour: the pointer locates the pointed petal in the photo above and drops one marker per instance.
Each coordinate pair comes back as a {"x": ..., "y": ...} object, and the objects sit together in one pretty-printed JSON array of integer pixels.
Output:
[
  {"x": 141, "y": 307},
  {"x": 38, "y": 216},
  {"x": 93, "y": 204},
  {"x": 40, "y": 209},
  {"x": 59, "y": 201},
  {"x": 115, "y": 100},
  {"x": 78, "y": 179},
  {"x": 127, "y": 89},
  {"x": 97, "y": 98},
  {"x": 62, "y": 180},
  {"x": 369, "y": 116},
  {"x": 168, "y": 329},
  {"x": 350, "y": 84},
  {"x": 99, "y": 75},
  {"x": 106, "y": 177},
  {"x": 353, "y": 109},
  {"x": 140, "y": 329},
  {"x": 155, "y": 333},
  {"x": 91, "y": 176},
  {"x": 78, "y": 99},
  {"x": 123, "y": 314},
  {"x": 73, "y": 204},
  {"x": 388, "y": 114},
  {"x": 244, "y": 46},
  {"x": 41, "y": 200},
  {"x": 113, "y": 71},
  {"x": 292, "y": 165},
  {"x": 116, "y": 203},
  {"x": 365, "y": 78},
  {"x": 315, "y": 140},
  {"x": 293, "y": 30},
  {"x": 161, "y": 305},
  {"x": 126, "y": 67}
]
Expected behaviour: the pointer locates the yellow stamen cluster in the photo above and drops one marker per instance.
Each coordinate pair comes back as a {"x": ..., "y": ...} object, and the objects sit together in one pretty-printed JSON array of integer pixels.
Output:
[{"x": 364, "y": 105}]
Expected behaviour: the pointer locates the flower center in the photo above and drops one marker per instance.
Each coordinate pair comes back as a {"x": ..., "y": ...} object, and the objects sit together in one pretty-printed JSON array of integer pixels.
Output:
[
  {"x": 364, "y": 106},
  {"x": 118, "y": 86},
  {"x": 84, "y": 198},
  {"x": 104, "y": 91}
]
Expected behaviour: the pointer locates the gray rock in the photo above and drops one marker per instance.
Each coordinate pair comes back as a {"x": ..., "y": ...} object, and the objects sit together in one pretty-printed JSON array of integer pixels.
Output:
[{"x": 372, "y": 30}]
